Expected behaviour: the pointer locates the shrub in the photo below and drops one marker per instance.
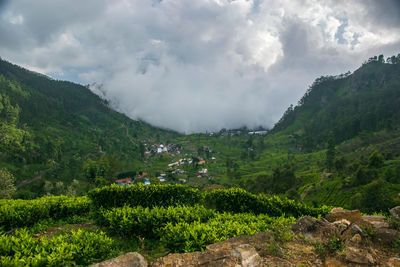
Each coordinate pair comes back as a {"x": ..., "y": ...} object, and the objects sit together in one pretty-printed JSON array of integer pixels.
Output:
[
  {"x": 188, "y": 237},
  {"x": 234, "y": 200},
  {"x": 21, "y": 213},
  {"x": 145, "y": 196},
  {"x": 146, "y": 222},
  {"x": 238, "y": 200},
  {"x": 68, "y": 249}
]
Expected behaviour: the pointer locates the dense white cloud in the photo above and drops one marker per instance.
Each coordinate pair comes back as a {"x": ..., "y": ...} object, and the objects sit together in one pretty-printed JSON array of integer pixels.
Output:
[{"x": 198, "y": 65}]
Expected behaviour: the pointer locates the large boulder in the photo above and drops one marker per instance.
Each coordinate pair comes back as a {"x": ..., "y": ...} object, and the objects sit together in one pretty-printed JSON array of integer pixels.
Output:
[
  {"x": 358, "y": 256},
  {"x": 241, "y": 256},
  {"x": 315, "y": 230},
  {"x": 240, "y": 251},
  {"x": 352, "y": 216},
  {"x": 131, "y": 259},
  {"x": 376, "y": 221}
]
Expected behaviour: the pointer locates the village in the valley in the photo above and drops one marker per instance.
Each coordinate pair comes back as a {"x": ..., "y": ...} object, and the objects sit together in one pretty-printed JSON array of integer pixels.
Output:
[
  {"x": 185, "y": 162},
  {"x": 182, "y": 168}
]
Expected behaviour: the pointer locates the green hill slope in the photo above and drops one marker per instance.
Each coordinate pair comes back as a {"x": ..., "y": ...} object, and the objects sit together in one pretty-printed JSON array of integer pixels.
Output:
[
  {"x": 367, "y": 100},
  {"x": 50, "y": 128}
]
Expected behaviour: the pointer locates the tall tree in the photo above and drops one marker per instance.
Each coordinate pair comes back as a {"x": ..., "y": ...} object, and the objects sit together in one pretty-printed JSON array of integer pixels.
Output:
[{"x": 7, "y": 188}]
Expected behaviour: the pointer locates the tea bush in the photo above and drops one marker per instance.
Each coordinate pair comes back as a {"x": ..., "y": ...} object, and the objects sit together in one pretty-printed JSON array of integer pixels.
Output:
[
  {"x": 189, "y": 237},
  {"x": 146, "y": 222},
  {"x": 21, "y": 213},
  {"x": 234, "y": 200},
  {"x": 238, "y": 200},
  {"x": 145, "y": 196},
  {"x": 69, "y": 249}
]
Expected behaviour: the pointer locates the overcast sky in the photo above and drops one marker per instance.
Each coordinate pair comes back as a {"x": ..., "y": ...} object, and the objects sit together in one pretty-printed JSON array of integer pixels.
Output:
[{"x": 198, "y": 65}]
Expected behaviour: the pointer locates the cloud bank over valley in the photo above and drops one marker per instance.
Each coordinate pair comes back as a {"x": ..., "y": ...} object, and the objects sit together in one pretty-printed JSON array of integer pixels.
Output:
[{"x": 198, "y": 65}]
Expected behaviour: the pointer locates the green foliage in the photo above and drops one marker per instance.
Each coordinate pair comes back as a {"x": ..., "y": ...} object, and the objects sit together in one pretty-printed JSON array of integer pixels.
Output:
[
  {"x": 145, "y": 196},
  {"x": 348, "y": 104},
  {"x": 238, "y": 200},
  {"x": 283, "y": 178},
  {"x": 223, "y": 200},
  {"x": 19, "y": 213},
  {"x": 7, "y": 188},
  {"x": 376, "y": 197},
  {"x": 188, "y": 237},
  {"x": 329, "y": 247},
  {"x": 101, "y": 171},
  {"x": 281, "y": 234},
  {"x": 55, "y": 126},
  {"x": 146, "y": 222},
  {"x": 375, "y": 160},
  {"x": 68, "y": 249}
]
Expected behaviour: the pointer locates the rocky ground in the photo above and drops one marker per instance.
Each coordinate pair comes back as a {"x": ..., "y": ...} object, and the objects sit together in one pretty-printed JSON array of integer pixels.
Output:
[{"x": 342, "y": 238}]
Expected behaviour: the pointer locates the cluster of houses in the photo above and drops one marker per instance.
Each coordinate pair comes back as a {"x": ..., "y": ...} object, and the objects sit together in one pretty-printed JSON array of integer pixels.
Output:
[
  {"x": 140, "y": 178},
  {"x": 153, "y": 149},
  {"x": 188, "y": 161},
  {"x": 237, "y": 132},
  {"x": 258, "y": 133}
]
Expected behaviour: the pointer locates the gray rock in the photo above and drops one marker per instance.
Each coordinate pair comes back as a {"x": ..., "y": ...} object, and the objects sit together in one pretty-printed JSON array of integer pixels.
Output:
[
  {"x": 356, "y": 229},
  {"x": 315, "y": 230},
  {"x": 247, "y": 255},
  {"x": 131, "y": 259},
  {"x": 376, "y": 221},
  {"x": 351, "y": 215},
  {"x": 358, "y": 256}
]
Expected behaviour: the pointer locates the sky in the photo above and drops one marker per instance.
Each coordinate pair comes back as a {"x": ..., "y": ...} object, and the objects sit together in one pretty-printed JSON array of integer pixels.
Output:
[{"x": 196, "y": 66}]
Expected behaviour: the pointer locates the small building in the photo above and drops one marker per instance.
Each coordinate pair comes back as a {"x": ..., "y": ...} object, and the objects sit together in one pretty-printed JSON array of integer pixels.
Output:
[
  {"x": 203, "y": 171},
  {"x": 123, "y": 182},
  {"x": 144, "y": 174},
  {"x": 173, "y": 164}
]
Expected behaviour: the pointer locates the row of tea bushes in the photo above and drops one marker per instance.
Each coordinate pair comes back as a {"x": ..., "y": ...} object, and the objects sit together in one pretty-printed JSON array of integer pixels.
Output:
[
  {"x": 234, "y": 200},
  {"x": 195, "y": 236},
  {"x": 75, "y": 248},
  {"x": 185, "y": 228},
  {"x": 237, "y": 200},
  {"x": 145, "y": 196},
  {"x": 147, "y": 222},
  {"x": 21, "y": 213}
]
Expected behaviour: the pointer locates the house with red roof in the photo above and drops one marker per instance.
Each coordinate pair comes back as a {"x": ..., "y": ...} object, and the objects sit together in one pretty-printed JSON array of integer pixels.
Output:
[{"x": 122, "y": 182}]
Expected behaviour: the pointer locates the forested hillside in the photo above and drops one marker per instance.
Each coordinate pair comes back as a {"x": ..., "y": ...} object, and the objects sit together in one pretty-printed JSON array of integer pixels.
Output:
[
  {"x": 367, "y": 100},
  {"x": 51, "y": 128}
]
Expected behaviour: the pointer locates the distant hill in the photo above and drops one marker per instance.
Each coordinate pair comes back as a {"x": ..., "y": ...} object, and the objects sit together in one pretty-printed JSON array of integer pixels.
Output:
[
  {"x": 51, "y": 127},
  {"x": 367, "y": 100}
]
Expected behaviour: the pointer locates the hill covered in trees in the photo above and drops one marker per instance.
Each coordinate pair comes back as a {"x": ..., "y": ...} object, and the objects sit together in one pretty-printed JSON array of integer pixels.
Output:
[
  {"x": 367, "y": 100},
  {"x": 50, "y": 128}
]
